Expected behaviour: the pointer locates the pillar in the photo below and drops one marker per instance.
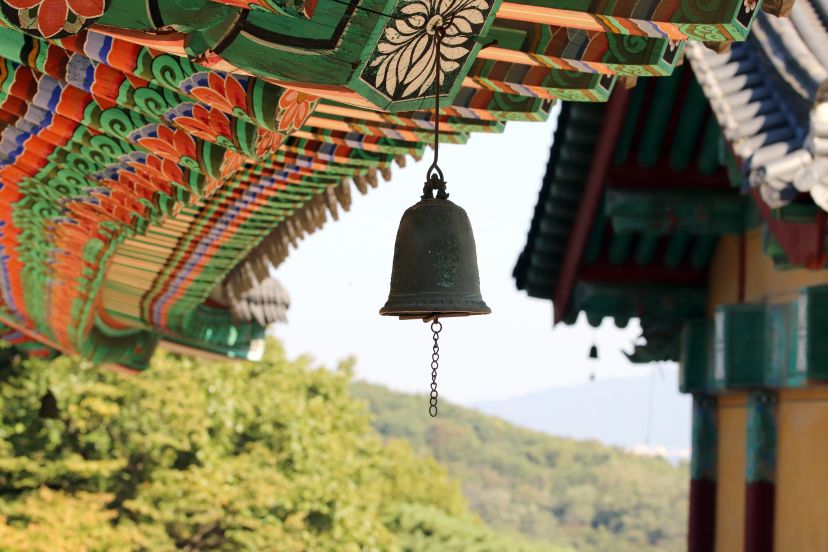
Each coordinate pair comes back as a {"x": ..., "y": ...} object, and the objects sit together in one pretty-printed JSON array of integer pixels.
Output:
[
  {"x": 702, "y": 515},
  {"x": 760, "y": 471}
]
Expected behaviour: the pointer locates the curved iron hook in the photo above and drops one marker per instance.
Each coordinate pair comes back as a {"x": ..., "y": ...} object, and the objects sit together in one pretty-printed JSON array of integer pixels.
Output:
[{"x": 435, "y": 181}]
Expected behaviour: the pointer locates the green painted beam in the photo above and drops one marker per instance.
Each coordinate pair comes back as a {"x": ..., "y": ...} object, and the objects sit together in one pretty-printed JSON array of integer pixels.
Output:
[
  {"x": 709, "y": 157},
  {"x": 690, "y": 122},
  {"x": 539, "y": 291},
  {"x": 540, "y": 279},
  {"x": 641, "y": 299},
  {"x": 645, "y": 249},
  {"x": 619, "y": 247},
  {"x": 676, "y": 247},
  {"x": 559, "y": 209},
  {"x": 596, "y": 236},
  {"x": 557, "y": 228},
  {"x": 658, "y": 118},
  {"x": 665, "y": 211},
  {"x": 625, "y": 138},
  {"x": 702, "y": 251},
  {"x": 550, "y": 246},
  {"x": 544, "y": 262},
  {"x": 567, "y": 189}
]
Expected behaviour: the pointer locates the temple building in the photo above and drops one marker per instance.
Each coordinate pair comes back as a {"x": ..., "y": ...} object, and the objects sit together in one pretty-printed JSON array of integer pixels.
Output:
[
  {"x": 697, "y": 204},
  {"x": 159, "y": 157}
]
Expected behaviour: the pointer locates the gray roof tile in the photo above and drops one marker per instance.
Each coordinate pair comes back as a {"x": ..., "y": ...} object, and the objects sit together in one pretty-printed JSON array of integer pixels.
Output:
[{"x": 763, "y": 94}]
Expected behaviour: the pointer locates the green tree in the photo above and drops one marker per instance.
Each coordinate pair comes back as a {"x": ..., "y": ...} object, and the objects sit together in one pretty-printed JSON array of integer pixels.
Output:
[{"x": 203, "y": 455}]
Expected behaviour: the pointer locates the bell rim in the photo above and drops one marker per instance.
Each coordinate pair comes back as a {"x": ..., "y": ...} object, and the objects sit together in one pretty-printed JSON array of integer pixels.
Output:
[
  {"x": 410, "y": 311},
  {"x": 426, "y": 315}
]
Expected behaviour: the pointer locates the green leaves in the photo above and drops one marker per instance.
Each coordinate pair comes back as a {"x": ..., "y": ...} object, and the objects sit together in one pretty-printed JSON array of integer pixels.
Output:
[
  {"x": 203, "y": 455},
  {"x": 62, "y": 522}
]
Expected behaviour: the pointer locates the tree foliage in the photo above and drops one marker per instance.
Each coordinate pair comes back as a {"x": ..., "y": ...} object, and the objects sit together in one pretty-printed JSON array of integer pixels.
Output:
[
  {"x": 203, "y": 455},
  {"x": 577, "y": 493}
]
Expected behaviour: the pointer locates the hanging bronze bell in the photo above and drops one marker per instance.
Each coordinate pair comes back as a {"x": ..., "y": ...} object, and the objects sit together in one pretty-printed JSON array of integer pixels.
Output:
[{"x": 434, "y": 273}]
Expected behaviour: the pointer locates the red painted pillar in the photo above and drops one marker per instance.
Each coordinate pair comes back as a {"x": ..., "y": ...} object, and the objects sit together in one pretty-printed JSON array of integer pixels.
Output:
[
  {"x": 760, "y": 472},
  {"x": 701, "y": 528},
  {"x": 759, "y": 509}
]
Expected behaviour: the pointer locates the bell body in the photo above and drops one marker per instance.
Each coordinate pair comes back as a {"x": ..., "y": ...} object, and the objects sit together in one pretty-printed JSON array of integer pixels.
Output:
[{"x": 435, "y": 264}]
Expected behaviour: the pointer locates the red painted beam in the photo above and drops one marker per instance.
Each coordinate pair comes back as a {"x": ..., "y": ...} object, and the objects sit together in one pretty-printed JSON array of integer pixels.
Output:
[
  {"x": 594, "y": 186},
  {"x": 804, "y": 244},
  {"x": 662, "y": 176}
]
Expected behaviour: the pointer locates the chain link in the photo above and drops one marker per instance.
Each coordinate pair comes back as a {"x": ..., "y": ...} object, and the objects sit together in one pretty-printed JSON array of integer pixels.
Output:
[{"x": 436, "y": 328}]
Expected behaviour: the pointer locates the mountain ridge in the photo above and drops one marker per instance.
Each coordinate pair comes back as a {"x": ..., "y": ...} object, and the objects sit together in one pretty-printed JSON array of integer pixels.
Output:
[
  {"x": 578, "y": 493},
  {"x": 646, "y": 414}
]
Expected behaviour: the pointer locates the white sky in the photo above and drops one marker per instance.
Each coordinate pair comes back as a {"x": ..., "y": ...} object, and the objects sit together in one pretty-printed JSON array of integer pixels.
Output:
[{"x": 338, "y": 279}]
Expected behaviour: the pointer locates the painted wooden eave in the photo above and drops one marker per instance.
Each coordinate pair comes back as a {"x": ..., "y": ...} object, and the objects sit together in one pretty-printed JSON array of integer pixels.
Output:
[
  {"x": 631, "y": 208},
  {"x": 150, "y": 155}
]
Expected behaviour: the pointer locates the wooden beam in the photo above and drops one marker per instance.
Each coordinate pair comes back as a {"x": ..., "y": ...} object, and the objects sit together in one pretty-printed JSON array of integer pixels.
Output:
[
  {"x": 549, "y": 16},
  {"x": 584, "y": 20},
  {"x": 664, "y": 210},
  {"x": 181, "y": 349},
  {"x": 35, "y": 336},
  {"x": 803, "y": 243},
  {"x": 631, "y": 273},
  {"x": 593, "y": 188},
  {"x": 779, "y": 8},
  {"x": 662, "y": 176}
]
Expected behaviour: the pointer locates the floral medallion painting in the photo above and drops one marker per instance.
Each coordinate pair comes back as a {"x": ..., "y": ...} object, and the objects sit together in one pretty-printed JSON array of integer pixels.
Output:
[{"x": 403, "y": 65}]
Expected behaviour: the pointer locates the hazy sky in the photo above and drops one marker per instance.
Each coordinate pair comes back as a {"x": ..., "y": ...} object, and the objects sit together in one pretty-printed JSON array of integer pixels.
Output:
[{"x": 338, "y": 279}]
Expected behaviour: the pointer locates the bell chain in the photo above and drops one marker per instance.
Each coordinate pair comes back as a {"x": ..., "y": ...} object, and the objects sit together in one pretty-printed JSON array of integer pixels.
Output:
[{"x": 436, "y": 328}]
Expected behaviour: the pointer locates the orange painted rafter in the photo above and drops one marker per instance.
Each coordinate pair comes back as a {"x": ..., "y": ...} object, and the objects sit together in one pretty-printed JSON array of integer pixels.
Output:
[
  {"x": 576, "y": 19},
  {"x": 494, "y": 53},
  {"x": 170, "y": 43},
  {"x": 400, "y": 133}
]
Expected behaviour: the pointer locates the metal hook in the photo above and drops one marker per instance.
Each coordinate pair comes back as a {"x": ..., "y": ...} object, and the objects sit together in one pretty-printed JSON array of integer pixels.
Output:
[{"x": 435, "y": 181}]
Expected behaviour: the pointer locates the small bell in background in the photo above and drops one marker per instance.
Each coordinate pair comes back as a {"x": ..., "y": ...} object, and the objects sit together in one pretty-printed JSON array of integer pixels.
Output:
[{"x": 593, "y": 355}]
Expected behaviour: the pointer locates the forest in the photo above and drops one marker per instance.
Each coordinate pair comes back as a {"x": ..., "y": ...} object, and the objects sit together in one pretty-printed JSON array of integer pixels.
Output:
[
  {"x": 580, "y": 494},
  {"x": 204, "y": 455},
  {"x": 283, "y": 455}
]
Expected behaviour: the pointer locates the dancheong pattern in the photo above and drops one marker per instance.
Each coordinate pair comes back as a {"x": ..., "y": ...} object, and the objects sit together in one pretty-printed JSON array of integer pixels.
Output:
[
  {"x": 158, "y": 157},
  {"x": 53, "y": 18},
  {"x": 407, "y": 51}
]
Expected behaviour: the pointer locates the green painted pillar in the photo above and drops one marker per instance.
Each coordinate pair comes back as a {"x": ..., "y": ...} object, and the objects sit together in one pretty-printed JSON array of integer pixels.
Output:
[
  {"x": 760, "y": 471},
  {"x": 702, "y": 516}
]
